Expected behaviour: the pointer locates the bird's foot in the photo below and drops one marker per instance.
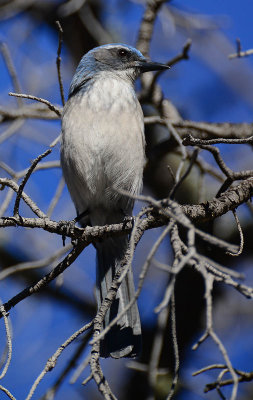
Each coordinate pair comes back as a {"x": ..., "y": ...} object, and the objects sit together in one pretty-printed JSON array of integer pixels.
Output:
[
  {"x": 127, "y": 219},
  {"x": 68, "y": 228}
]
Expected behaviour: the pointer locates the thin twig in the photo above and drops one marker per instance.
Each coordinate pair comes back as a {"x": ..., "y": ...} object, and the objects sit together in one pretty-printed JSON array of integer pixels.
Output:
[
  {"x": 56, "y": 197},
  {"x": 15, "y": 188},
  {"x": 202, "y": 142},
  {"x": 6, "y": 391},
  {"x": 208, "y": 279},
  {"x": 52, "y": 360},
  {"x": 153, "y": 366},
  {"x": 186, "y": 173},
  {"x": 68, "y": 260},
  {"x": 147, "y": 25},
  {"x": 183, "y": 55},
  {"x": 58, "y": 60},
  {"x": 240, "y": 250},
  {"x": 51, "y": 392},
  {"x": 27, "y": 176},
  {"x": 239, "y": 52},
  {"x": 11, "y": 69},
  {"x": 175, "y": 348},
  {"x": 8, "y": 339},
  {"x": 34, "y": 264},
  {"x": 31, "y": 97},
  {"x": 12, "y": 129}
]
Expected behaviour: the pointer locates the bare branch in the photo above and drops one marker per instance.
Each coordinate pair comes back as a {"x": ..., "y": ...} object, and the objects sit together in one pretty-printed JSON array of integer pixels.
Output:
[
  {"x": 8, "y": 339},
  {"x": 241, "y": 236},
  {"x": 189, "y": 140},
  {"x": 34, "y": 264},
  {"x": 11, "y": 69},
  {"x": 6, "y": 391},
  {"x": 27, "y": 176},
  {"x": 14, "y": 186},
  {"x": 28, "y": 96},
  {"x": 58, "y": 61},
  {"x": 175, "y": 348},
  {"x": 239, "y": 52},
  {"x": 147, "y": 25},
  {"x": 52, "y": 360},
  {"x": 46, "y": 279}
]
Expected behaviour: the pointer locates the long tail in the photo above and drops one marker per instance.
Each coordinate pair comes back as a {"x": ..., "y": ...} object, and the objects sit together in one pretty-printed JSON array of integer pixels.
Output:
[{"x": 124, "y": 338}]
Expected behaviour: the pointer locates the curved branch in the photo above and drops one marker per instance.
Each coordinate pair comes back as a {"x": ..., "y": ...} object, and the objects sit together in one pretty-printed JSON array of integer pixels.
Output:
[{"x": 206, "y": 211}]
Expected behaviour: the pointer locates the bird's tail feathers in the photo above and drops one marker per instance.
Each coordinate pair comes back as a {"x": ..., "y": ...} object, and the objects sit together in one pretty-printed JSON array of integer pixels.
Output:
[{"x": 124, "y": 338}]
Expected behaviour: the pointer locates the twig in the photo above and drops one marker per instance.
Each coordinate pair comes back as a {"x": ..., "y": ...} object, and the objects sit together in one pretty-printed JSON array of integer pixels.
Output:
[
  {"x": 184, "y": 55},
  {"x": 33, "y": 111},
  {"x": 11, "y": 70},
  {"x": 93, "y": 25},
  {"x": 156, "y": 351},
  {"x": 208, "y": 368},
  {"x": 70, "y": 365},
  {"x": 6, "y": 391},
  {"x": 58, "y": 60},
  {"x": 217, "y": 267},
  {"x": 87, "y": 380},
  {"x": 11, "y": 130},
  {"x": 68, "y": 260},
  {"x": 239, "y": 52},
  {"x": 8, "y": 339},
  {"x": 206, "y": 130},
  {"x": 202, "y": 212},
  {"x": 27, "y": 176},
  {"x": 15, "y": 188},
  {"x": 31, "y": 97},
  {"x": 41, "y": 166},
  {"x": 242, "y": 376},
  {"x": 239, "y": 46},
  {"x": 52, "y": 360},
  {"x": 241, "y": 236},
  {"x": 208, "y": 279},
  {"x": 147, "y": 25},
  {"x": 202, "y": 142},
  {"x": 242, "y": 54},
  {"x": 180, "y": 261},
  {"x": 56, "y": 197},
  {"x": 187, "y": 172},
  {"x": 34, "y": 264},
  {"x": 175, "y": 348},
  {"x": 55, "y": 141},
  {"x": 245, "y": 377},
  {"x": 69, "y": 8},
  {"x": 183, "y": 154},
  {"x": 227, "y": 201},
  {"x": 80, "y": 369}
]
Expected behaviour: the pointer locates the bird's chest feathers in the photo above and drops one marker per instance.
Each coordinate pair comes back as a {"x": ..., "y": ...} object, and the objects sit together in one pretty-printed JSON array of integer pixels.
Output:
[
  {"x": 107, "y": 95},
  {"x": 107, "y": 116},
  {"x": 103, "y": 137}
]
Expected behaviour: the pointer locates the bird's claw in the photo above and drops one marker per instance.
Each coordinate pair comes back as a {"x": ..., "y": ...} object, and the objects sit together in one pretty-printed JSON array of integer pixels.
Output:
[{"x": 68, "y": 228}]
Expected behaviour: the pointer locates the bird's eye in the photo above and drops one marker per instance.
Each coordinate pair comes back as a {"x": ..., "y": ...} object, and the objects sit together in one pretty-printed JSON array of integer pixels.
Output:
[{"x": 122, "y": 53}]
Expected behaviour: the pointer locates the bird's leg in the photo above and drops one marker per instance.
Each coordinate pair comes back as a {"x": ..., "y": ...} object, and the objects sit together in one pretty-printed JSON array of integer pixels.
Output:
[
  {"x": 127, "y": 218},
  {"x": 70, "y": 225},
  {"x": 82, "y": 215}
]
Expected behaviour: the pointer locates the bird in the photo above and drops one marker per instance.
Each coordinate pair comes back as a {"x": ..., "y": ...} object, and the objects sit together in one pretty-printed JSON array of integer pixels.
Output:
[{"x": 102, "y": 158}]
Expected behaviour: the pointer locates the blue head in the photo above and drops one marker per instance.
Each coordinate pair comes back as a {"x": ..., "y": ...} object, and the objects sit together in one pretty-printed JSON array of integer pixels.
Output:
[{"x": 119, "y": 59}]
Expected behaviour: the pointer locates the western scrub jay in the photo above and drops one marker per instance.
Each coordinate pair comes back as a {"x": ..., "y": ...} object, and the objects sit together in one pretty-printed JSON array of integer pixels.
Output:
[{"x": 102, "y": 150}]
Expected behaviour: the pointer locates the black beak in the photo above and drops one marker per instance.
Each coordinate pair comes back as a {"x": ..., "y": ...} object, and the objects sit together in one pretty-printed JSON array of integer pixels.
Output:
[{"x": 146, "y": 66}]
